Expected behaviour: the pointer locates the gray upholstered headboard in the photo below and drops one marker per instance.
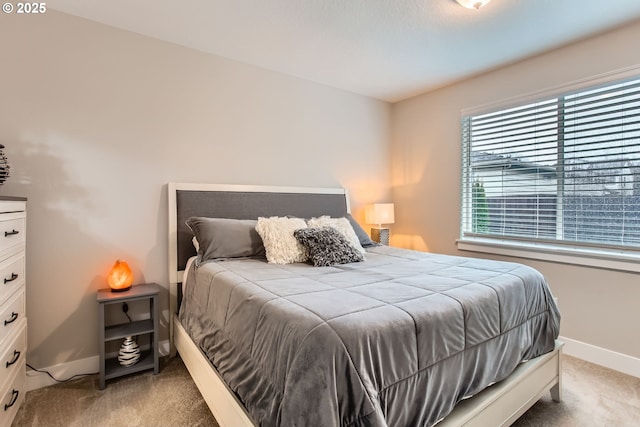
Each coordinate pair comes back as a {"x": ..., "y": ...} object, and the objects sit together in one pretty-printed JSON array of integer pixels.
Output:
[{"x": 241, "y": 202}]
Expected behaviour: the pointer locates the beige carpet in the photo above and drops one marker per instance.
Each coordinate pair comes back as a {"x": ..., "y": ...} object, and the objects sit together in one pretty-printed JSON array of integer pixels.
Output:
[
  {"x": 593, "y": 396},
  {"x": 167, "y": 399}
]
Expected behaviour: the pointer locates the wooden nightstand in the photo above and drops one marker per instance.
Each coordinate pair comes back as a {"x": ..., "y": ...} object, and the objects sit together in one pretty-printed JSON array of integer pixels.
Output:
[{"x": 111, "y": 368}]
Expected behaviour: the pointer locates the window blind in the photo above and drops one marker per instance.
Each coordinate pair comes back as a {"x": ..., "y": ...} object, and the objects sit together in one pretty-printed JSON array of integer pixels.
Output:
[{"x": 564, "y": 169}]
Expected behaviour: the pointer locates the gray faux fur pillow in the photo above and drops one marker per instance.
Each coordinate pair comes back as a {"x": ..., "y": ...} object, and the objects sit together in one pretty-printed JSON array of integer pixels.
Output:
[
  {"x": 342, "y": 225},
  {"x": 327, "y": 246}
]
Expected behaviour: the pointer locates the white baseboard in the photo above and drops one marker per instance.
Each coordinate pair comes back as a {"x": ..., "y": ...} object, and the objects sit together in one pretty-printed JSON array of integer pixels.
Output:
[
  {"x": 601, "y": 356},
  {"x": 62, "y": 371}
]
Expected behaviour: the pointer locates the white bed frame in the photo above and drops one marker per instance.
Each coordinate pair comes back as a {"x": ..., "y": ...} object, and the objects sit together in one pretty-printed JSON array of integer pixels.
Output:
[{"x": 498, "y": 405}]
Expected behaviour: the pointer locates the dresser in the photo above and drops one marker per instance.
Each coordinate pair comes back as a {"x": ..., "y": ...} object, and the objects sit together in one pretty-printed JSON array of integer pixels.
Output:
[{"x": 13, "y": 320}]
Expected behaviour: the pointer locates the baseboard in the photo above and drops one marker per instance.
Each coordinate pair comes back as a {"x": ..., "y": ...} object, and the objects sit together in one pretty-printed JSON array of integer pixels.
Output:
[
  {"x": 62, "y": 371},
  {"x": 601, "y": 356}
]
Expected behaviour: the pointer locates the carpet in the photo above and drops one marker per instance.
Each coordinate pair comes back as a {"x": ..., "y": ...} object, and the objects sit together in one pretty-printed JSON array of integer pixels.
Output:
[{"x": 168, "y": 399}]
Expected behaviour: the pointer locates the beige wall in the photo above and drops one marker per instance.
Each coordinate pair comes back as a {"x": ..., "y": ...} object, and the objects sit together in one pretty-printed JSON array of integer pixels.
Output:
[
  {"x": 96, "y": 121},
  {"x": 599, "y": 307}
]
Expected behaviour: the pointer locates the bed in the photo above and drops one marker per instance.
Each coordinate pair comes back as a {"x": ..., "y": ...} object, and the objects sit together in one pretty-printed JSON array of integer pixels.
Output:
[{"x": 403, "y": 338}]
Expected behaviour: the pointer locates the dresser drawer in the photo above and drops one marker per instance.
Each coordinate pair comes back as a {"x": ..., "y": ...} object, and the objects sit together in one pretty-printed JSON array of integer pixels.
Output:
[
  {"x": 12, "y": 230},
  {"x": 11, "y": 312},
  {"x": 12, "y": 397},
  {"x": 11, "y": 275},
  {"x": 12, "y": 355}
]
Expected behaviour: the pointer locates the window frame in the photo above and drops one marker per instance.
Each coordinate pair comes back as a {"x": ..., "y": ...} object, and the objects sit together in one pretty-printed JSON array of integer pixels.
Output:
[{"x": 622, "y": 259}]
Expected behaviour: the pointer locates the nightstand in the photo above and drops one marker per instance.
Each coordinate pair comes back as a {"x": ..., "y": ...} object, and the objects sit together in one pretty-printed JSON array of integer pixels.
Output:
[{"x": 110, "y": 367}]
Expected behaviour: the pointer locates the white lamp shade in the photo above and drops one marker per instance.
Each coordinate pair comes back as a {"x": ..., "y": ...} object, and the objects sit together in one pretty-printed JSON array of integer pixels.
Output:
[
  {"x": 473, "y": 4},
  {"x": 379, "y": 213}
]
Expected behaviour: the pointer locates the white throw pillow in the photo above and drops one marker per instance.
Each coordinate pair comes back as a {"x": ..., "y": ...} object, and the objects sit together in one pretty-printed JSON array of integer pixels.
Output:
[
  {"x": 342, "y": 225},
  {"x": 280, "y": 245}
]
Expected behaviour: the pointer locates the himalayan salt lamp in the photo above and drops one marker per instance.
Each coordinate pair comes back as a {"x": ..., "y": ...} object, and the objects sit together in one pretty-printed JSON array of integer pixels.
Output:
[{"x": 120, "y": 277}]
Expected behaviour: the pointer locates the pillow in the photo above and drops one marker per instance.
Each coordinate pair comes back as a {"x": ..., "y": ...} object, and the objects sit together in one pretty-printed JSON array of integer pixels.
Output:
[
  {"x": 277, "y": 235},
  {"x": 340, "y": 224},
  {"x": 225, "y": 238},
  {"x": 327, "y": 246},
  {"x": 363, "y": 237}
]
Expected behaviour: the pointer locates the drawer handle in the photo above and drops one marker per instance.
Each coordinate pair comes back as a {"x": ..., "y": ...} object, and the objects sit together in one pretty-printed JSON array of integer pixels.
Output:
[
  {"x": 14, "y": 396},
  {"x": 11, "y": 233},
  {"x": 13, "y": 318},
  {"x": 16, "y": 356},
  {"x": 13, "y": 277}
]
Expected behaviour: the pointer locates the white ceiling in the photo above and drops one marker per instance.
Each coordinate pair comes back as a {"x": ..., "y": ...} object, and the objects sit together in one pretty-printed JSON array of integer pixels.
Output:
[{"x": 386, "y": 49}]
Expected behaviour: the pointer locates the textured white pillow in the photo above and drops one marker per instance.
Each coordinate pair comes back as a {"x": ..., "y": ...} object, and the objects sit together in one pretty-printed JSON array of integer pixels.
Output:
[
  {"x": 342, "y": 225},
  {"x": 280, "y": 245}
]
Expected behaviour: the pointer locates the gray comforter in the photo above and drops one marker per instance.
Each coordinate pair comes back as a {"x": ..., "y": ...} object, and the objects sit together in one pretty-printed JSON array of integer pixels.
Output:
[{"x": 396, "y": 340}]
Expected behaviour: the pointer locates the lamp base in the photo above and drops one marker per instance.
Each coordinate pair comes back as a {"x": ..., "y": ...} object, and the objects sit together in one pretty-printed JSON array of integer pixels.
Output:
[
  {"x": 120, "y": 289},
  {"x": 380, "y": 235}
]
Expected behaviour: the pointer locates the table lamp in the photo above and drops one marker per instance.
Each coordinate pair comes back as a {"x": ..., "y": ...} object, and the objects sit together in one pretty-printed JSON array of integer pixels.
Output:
[{"x": 380, "y": 213}]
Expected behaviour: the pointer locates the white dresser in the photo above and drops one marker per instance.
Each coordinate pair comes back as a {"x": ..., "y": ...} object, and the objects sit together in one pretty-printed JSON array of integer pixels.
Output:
[{"x": 13, "y": 320}]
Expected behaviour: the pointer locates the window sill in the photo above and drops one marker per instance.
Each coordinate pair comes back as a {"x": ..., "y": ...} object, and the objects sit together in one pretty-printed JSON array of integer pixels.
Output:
[{"x": 599, "y": 258}]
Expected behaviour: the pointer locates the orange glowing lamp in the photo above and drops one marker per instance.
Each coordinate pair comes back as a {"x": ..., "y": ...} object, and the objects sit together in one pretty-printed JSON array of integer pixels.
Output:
[{"x": 120, "y": 277}]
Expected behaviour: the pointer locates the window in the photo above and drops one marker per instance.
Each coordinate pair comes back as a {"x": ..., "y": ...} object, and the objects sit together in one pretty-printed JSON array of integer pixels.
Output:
[{"x": 562, "y": 170}]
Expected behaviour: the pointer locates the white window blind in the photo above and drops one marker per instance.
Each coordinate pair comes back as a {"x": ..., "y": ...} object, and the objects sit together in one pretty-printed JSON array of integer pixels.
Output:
[{"x": 564, "y": 169}]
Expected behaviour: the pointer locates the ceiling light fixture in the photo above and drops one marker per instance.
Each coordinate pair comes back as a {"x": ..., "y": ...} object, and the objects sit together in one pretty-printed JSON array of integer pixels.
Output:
[{"x": 473, "y": 4}]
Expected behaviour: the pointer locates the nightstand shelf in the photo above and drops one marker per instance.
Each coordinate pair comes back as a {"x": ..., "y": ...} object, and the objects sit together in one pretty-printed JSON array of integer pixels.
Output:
[
  {"x": 110, "y": 367},
  {"x": 114, "y": 369},
  {"x": 128, "y": 329}
]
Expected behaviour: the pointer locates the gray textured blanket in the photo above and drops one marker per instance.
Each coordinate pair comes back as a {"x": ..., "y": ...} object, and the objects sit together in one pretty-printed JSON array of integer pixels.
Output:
[{"x": 396, "y": 340}]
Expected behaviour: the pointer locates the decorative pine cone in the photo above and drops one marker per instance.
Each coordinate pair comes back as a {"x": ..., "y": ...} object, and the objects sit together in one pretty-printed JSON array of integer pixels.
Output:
[{"x": 4, "y": 166}]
